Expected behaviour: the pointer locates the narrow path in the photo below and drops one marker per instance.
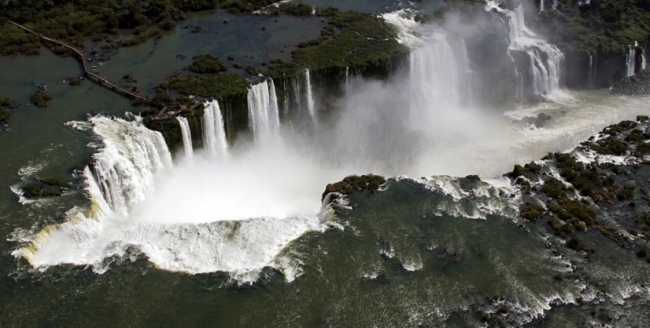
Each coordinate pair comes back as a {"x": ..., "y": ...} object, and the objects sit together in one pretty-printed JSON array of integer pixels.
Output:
[{"x": 91, "y": 75}]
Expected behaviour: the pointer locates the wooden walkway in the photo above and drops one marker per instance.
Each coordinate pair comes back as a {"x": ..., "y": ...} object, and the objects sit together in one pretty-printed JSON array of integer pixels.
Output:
[{"x": 89, "y": 74}]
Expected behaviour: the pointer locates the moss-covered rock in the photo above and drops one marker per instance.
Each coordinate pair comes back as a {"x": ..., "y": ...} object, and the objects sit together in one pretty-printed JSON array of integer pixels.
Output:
[
  {"x": 49, "y": 187},
  {"x": 41, "y": 99},
  {"x": 355, "y": 183},
  {"x": 6, "y": 105},
  {"x": 207, "y": 64}
]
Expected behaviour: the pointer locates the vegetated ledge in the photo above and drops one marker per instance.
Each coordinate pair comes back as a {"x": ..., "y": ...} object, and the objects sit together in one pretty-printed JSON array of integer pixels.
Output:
[
  {"x": 354, "y": 183},
  {"x": 230, "y": 90},
  {"x": 604, "y": 30},
  {"x": 600, "y": 187},
  {"x": 360, "y": 42}
]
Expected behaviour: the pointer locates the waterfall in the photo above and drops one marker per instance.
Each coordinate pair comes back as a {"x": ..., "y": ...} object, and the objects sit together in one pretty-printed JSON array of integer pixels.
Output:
[
  {"x": 187, "y": 136},
  {"x": 434, "y": 82},
  {"x": 468, "y": 74},
  {"x": 263, "y": 111},
  {"x": 310, "y": 97},
  {"x": 347, "y": 80},
  {"x": 214, "y": 134},
  {"x": 544, "y": 59},
  {"x": 541, "y": 5},
  {"x": 297, "y": 93},
  {"x": 630, "y": 61},
  {"x": 590, "y": 82},
  {"x": 643, "y": 62},
  {"x": 125, "y": 167}
]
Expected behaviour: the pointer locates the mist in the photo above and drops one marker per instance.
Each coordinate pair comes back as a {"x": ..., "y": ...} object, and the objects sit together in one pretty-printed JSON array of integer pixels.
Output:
[{"x": 235, "y": 207}]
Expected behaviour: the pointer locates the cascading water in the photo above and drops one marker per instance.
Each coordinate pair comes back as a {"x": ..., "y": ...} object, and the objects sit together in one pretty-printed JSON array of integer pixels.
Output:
[
  {"x": 434, "y": 79},
  {"x": 122, "y": 176},
  {"x": 630, "y": 61},
  {"x": 544, "y": 58},
  {"x": 237, "y": 215},
  {"x": 347, "y": 80},
  {"x": 590, "y": 82},
  {"x": 311, "y": 105},
  {"x": 214, "y": 133},
  {"x": 125, "y": 170},
  {"x": 187, "y": 136},
  {"x": 263, "y": 114}
]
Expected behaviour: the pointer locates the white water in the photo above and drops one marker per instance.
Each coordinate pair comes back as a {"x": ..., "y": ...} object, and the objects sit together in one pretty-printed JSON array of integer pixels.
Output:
[
  {"x": 236, "y": 215},
  {"x": 545, "y": 73},
  {"x": 263, "y": 111},
  {"x": 311, "y": 104},
  {"x": 187, "y": 136},
  {"x": 630, "y": 62},
  {"x": 214, "y": 133},
  {"x": 590, "y": 82}
]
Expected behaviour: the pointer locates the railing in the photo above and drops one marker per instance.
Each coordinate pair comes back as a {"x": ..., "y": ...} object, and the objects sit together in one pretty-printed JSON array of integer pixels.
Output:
[{"x": 90, "y": 74}]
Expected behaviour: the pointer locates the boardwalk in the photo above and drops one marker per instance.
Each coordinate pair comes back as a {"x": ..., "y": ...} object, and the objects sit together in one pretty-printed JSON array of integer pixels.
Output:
[{"x": 89, "y": 74}]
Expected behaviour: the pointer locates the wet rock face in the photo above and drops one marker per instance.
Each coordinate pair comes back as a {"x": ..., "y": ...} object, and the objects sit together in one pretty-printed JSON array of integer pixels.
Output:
[{"x": 638, "y": 85}]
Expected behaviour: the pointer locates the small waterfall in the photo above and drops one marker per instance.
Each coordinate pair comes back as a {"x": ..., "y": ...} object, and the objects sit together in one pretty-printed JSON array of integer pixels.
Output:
[
  {"x": 214, "y": 133},
  {"x": 187, "y": 135},
  {"x": 544, "y": 59},
  {"x": 297, "y": 93},
  {"x": 311, "y": 106},
  {"x": 541, "y": 5},
  {"x": 347, "y": 80},
  {"x": 590, "y": 82},
  {"x": 630, "y": 61},
  {"x": 643, "y": 62},
  {"x": 125, "y": 167},
  {"x": 263, "y": 111}
]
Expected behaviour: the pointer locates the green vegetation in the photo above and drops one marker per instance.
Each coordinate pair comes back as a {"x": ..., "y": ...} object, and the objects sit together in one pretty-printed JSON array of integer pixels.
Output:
[
  {"x": 350, "y": 39},
  {"x": 77, "y": 21},
  {"x": 363, "y": 39},
  {"x": 41, "y": 99},
  {"x": 217, "y": 86},
  {"x": 207, "y": 64},
  {"x": 606, "y": 26},
  {"x": 531, "y": 212},
  {"x": 245, "y": 6}
]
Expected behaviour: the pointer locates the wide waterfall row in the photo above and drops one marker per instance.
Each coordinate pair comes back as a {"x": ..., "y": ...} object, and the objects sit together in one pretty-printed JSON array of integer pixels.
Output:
[
  {"x": 544, "y": 59},
  {"x": 187, "y": 136},
  {"x": 125, "y": 168},
  {"x": 434, "y": 75},
  {"x": 263, "y": 112},
  {"x": 214, "y": 133}
]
